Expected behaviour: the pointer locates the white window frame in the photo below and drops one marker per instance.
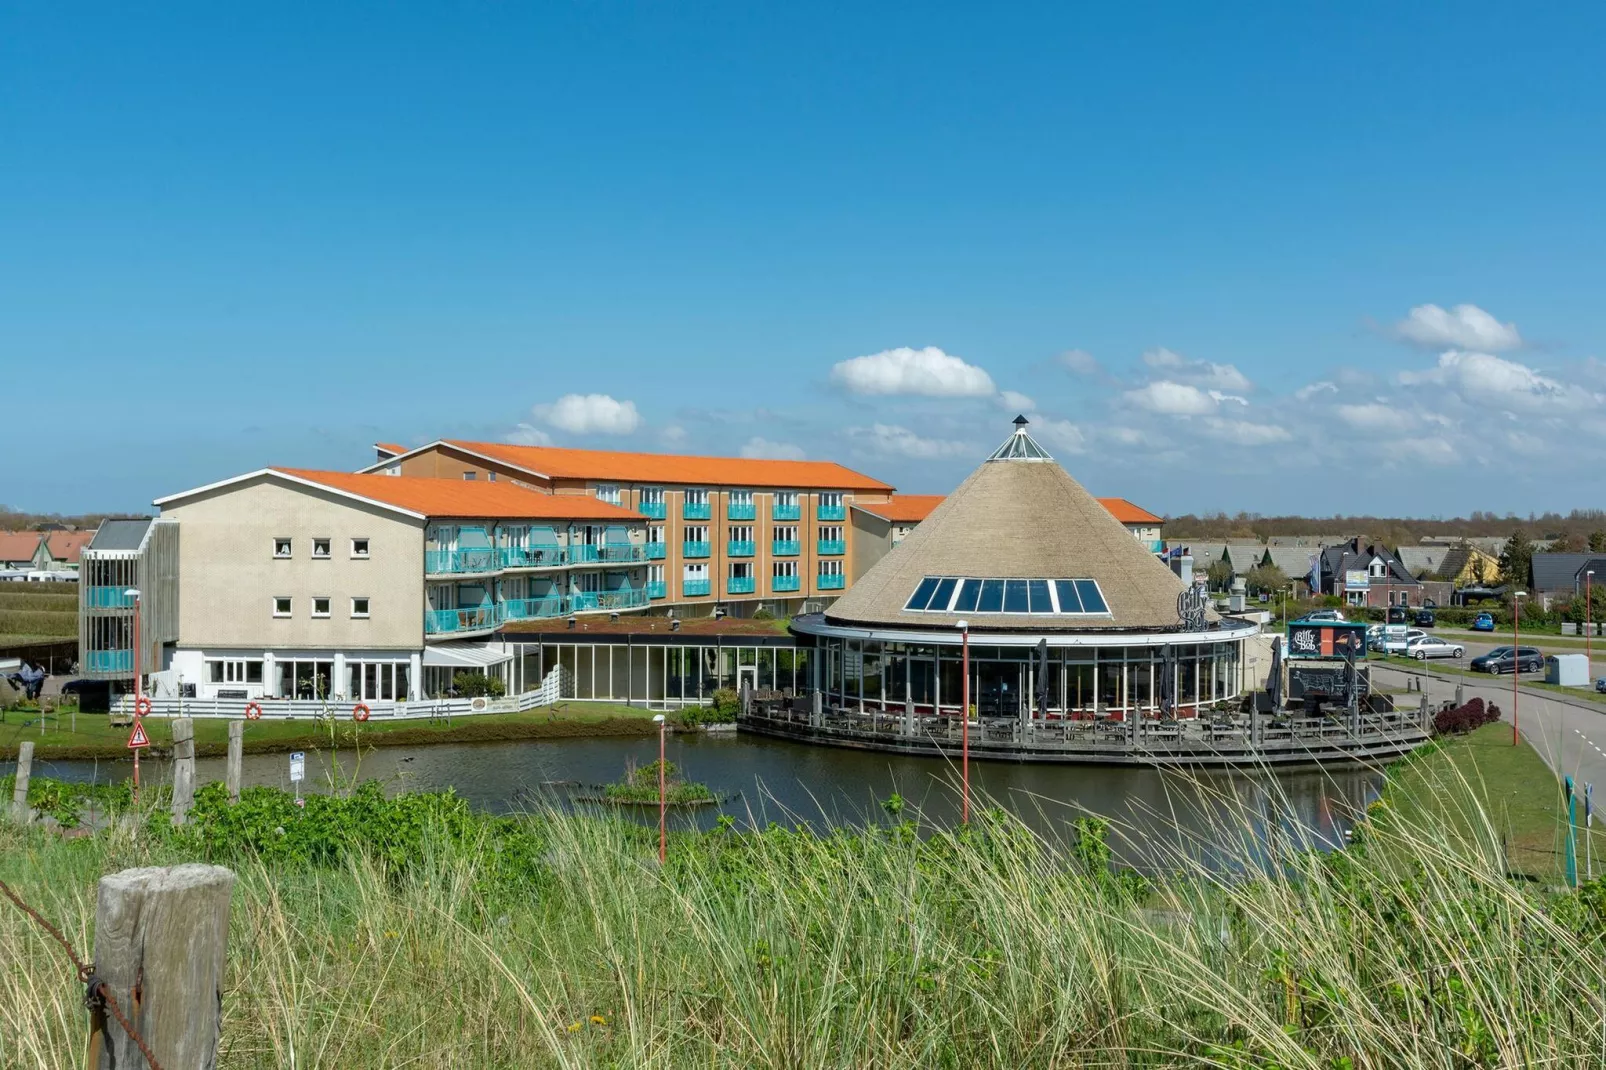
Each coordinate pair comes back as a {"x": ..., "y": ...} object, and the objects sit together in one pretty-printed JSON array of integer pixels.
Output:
[
  {"x": 741, "y": 532},
  {"x": 283, "y": 548},
  {"x": 785, "y": 568},
  {"x": 364, "y": 552},
  {"x": 784, "y": 533},
  {"x": 830, "y": 532},
  {"x": 830, "y": 566},
  {"x": 655, "y": 533},
  {"x": 741, "y": 570},
  {"x": 289, "y": 605},
  {"x": 694, "y": 571},
  {"x": 741, "y": 497},
  {"x": 234, "y": 670},
  {"x": 608, "y": 492},
  {"x": 328, "y": 604},
  {"x": 786, "y": 499},
  {"x": 367, "y": 607},
  {"x": 328, "y": 547},
  {"x": 469, "y": 477},
  {"x": 694, "y": 533},
  {"x": 696, "y": 495},
  {"x": 490, "y": 477},
  {"x": 832, "y": 498},
  {"x": 652, "y": 495},
  {"x": 655, "y": 574}
]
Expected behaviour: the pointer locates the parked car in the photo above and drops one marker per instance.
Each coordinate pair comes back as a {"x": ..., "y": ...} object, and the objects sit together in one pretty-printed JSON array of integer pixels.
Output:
[
  {"x": 1483, "y": 623},
  {"x": 1425, "y": 618},
  {"x": 1503, "y": 659},
  {"x": 1431, "y": 646},
  {"x": 1323, "y": 616},
  {"x": 1399, "y": 615},
  {"x": 1600, "y": 685},
  {"x": 1399, "y": 644}
]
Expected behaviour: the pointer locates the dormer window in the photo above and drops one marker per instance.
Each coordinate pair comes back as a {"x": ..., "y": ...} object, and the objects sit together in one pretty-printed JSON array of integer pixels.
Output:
[{"x": 608, "y": 492}]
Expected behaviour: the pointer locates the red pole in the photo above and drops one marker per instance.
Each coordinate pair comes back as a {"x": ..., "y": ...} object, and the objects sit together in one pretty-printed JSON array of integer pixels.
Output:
[
  {"x": 964, "y": 752},
  {"x": 663, "y": 805},
  {"x": 137, "y": 693},
  {"x": 1516, "y": 660}
]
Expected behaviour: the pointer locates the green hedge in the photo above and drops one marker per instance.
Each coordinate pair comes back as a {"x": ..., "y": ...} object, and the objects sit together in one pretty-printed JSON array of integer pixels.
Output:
[{"x": 30, "y": 622}]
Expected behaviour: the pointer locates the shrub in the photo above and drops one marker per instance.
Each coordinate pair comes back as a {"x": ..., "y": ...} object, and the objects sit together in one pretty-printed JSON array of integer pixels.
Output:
[
  {"x": 1457, "y": 720},
  {"x": 727, "y": 703},
  {"x": 477, "y": 685}
]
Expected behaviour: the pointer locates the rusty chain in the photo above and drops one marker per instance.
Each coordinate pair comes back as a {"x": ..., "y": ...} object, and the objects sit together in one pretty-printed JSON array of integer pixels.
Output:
[{"x": 97, "y": 996}]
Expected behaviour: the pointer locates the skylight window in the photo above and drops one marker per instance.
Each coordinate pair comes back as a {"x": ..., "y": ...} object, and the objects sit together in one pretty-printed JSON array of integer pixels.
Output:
[{"x": 955, "y": 594}]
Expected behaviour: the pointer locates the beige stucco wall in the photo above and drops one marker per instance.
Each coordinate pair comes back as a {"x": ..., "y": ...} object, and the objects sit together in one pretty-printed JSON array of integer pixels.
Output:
[{"x": 228, "y": 575}]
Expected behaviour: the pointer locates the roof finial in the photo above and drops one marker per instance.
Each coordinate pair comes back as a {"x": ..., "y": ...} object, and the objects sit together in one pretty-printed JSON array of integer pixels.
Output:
[
  {"x": 1020, "y": 424},
  {"x": 1020, "y": 446}
]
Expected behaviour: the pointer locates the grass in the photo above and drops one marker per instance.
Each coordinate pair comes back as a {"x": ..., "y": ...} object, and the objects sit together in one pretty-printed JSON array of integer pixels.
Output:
[{"x": 96, "y": 737}]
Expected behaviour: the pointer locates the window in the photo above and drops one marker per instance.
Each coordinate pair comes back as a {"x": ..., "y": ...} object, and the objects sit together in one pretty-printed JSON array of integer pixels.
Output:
[
  {"x": 786, "y": 499},
  {"x": 490, "y": 477},
  {"x": 655, "y": 573},
  {"x": 785, "y": 532},
  {"x": 830, "y": 499},
  {"x": 831, "y": 568},
  {"x": 831, "y": 532},
  {"x": 950, "y": 594},
  {"x": 359, "y": 547},
  {"x": 696, "y": 496},
  {"x": 359, "y": 608},
  {"x": 320, "y": 606},
  {"x": 655, "y": 533},
  {"x": 741, "y": 533},
  {"x": 469, "y": 476},
  {"x": 281, "y": 605},
  {"x": 741, "y": 570},
  {"x": 320, "y": 549},
  {"x": 652, "y": 495},
  {"x": 393, "y": 470},
  {"x": 608, "y": 492},
  {"x": 696, "y": 532},
  {"x": 741, "y": 497},
  {"x": 695, "y": 572},
  {"x": 785, "y": 569},
  {"x": 234, "y": 671},
  {"x": 281, "y": 547}
]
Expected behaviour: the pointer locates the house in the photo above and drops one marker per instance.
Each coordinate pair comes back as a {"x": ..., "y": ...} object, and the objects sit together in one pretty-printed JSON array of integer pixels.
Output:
[
  {"x": 24, "y": 550},
  {"x": 1295, "y": 562},
  {"x": 1561, "y": 575},
  {"x": 1469, "y": 566},
  {"x": 63, "y": 549},
  {"x": 1366, "y": 574},
  {"x": 1423, "y": 561}
]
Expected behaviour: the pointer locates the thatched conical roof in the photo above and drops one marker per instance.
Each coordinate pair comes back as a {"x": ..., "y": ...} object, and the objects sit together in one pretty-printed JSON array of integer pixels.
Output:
[{"x": 1020, "y": 516}]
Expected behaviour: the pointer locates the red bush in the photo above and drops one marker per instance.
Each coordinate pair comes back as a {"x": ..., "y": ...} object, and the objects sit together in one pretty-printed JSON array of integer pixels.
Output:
[{"x": 1455, "y": 720}]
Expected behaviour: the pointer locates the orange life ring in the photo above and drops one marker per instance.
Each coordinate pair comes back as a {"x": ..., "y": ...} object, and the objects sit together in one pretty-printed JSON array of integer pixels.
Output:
[
  {"x": 359, "y": 712},
  {"x": 253, "y": 712},
  {"x": 142, "y": 705}
]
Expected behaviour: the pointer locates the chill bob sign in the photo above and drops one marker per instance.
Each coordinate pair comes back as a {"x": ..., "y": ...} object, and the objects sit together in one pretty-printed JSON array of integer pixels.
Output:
[{"x": 1325, "y": 639}]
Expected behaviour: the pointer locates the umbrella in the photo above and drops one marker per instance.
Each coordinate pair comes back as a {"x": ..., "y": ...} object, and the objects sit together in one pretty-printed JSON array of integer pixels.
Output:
[
  {"x": 1168, "y": 680},
  {"x": 1276, "y": 688},
  {"x": 1042, "y": 678}
]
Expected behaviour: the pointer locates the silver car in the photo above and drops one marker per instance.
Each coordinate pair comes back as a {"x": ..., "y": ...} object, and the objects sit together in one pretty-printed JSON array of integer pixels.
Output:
[{"x": 1423, "y": 647}]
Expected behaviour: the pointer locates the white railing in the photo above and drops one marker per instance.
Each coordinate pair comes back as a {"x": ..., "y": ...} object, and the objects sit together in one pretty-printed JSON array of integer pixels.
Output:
[{"x": 559, "y": 684}]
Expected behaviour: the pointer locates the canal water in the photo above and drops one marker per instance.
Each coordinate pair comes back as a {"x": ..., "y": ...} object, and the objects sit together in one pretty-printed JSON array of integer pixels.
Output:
[{"x": 763, "y": 780}]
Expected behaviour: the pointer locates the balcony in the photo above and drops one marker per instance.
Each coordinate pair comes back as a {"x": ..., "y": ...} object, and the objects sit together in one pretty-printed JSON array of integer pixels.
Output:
[
  {"x": 831, "y": 512},
  {"x": 694, "y": 549},
  {"x": 1154, "y": 546},
  {"x": 656, "y": 551},
  {"x": 584, "y": 554},
  {"x": 739, "y": 548},
  {"x": 454, "y": 621},
  {"x": 652, "y": 510},
  {"x": 592, "y": 601},
  {"x": 827, "y": 582},
  {"x": 531, "y": 608},
  {"x": 785, "y": 547},
  {"x": 109, "y": 661},
  {"x": 831, "y": 547},
  {"x": 739, "y": 585},
  {"x": 107, "y": 598},
  {"x": 781, "y": 584},
  {"x": 694, "y": 588},
  {"x": 786, "y": 512},
  {"x": 657, "y": 589},
  {"x": 740, "y": 511},
  {"x": 696, "y": 510},
  {"x": 479, "y": 559},
  {"x": 541, "y": 555}
]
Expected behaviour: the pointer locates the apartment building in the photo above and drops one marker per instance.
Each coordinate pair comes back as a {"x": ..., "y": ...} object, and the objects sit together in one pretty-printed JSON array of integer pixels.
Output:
[
  {"x": 295, "y": 583},
  {"x": 726, "y": 532}
]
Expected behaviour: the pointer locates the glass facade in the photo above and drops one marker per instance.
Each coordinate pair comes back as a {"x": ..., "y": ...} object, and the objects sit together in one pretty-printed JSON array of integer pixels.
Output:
[{"x": 670, "y": 674}]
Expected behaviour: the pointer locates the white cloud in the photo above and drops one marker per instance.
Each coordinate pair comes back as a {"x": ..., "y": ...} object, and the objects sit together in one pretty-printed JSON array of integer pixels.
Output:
[
  {"x": 584, "y": 414},
  {"x": 1245, "y": 433},
  {"x": 1426, "y": 450},
  {"x": 1221, "y": 399},
  {"x": 927, "y": 372},
  {"x": 1014, "y": 399},
  {"x": 1125, "y": 436},
  {"x": 1080, "y": 362},
  {"x": 775, "y": 451},
  {"x": 1062, "y": 435},
  {"x": 1305, "y": 393},
  {"x": 1373, "y": 416},
  {"x": 890, "y": 440},
  {"x": 1198, "y": 372},
  {"x": 528, "y": 435},
  {"x": 1501, "y": 383},
  {"x": 1462, "y": 327},
  {"x": 673, "y": 435},
  {"x": 1172, "y": 399}
]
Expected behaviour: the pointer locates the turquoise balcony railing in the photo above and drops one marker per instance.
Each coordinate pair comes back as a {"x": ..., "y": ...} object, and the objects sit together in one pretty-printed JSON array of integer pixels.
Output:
[
  {"x": 581, "y": 554},
  {"x": 108, "y": 598},
  {"x": 694, "y": 588},
  {"x": 694, "y": 549},
  {"x": 696, "y": 511},
  {"x": 624, "y": 598},
  {"x": 829, "y": 547},
  {"x": 785, "y": 583},
  {"x": 1155, "y": 546},
  {"x": 479, "y": 559},
  {"x": 540, "y": 555},
  {"x": 829, "y": 582},
  {"x": 652, "y": 510},
  {"x": 110, "y": 661},
  {"x": 740, "y": 511},
  {"x": 831, "y": 512},
  {"x": 785, "y": 547},
  {"x": 655, "y": 551},
  {"x": 657, "y": 589},
  {"x": 739, "y": 585},
  {"x": 787, "y": 512},
  {"x": 739, "y": 548},
  {"x": 530, "y": 608},
  {"x": 449, "y": 621}
]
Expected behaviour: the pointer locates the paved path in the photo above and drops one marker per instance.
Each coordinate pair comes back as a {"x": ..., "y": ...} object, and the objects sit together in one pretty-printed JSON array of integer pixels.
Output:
[{"x": 1569, "y": 734}]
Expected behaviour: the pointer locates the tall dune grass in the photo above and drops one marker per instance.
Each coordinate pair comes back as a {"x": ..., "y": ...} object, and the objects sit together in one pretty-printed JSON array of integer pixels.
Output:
[{"x": 902, "y": 946}]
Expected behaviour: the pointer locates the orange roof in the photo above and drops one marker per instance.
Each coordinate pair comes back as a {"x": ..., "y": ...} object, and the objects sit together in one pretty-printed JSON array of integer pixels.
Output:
[
  {"x": 18, "y": 545},
  {"x": 1127, "y": 513},
  {"x": 68, "y": 546},
  {"x": 390, "y": 448},
  {"x": 463, "y": 498},
  {"x": 905, "y": 508},
  {"x": 674, "y": 469}
]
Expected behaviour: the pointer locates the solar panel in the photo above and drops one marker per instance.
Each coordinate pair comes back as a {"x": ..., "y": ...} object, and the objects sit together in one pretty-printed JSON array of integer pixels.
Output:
[{"x": 1033, "y": 597}]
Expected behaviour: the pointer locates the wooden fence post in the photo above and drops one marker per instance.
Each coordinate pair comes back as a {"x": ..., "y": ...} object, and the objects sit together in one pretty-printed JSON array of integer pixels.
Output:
[
  {"x": 19, "y": 797},
  {"x": 161, "y": 937},
  {"x": 236, "y": 751},
  {"x": 183, "y": 768}
]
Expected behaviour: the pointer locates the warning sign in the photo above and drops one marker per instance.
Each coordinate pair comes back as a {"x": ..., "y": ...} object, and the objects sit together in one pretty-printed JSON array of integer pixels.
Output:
[{"x": 138, "y": 738}]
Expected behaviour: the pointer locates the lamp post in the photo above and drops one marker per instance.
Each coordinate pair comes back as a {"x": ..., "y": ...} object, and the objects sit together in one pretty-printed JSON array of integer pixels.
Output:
[
  {"x": 964, "y": 721},
  {"x": 133, "y": 592},
  {"x": 1589, "y": 625},
  {"x": 1516, "y": 657},
  {"x": 663, "y": 804}
]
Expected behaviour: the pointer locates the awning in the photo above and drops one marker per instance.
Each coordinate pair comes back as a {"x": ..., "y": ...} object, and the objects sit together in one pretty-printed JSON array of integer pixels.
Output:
[{"x": 465, "y": 655}]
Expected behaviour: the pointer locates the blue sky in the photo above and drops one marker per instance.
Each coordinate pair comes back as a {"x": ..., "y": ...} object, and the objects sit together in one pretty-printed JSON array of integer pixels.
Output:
[{"x": 1226, "y": 258}]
